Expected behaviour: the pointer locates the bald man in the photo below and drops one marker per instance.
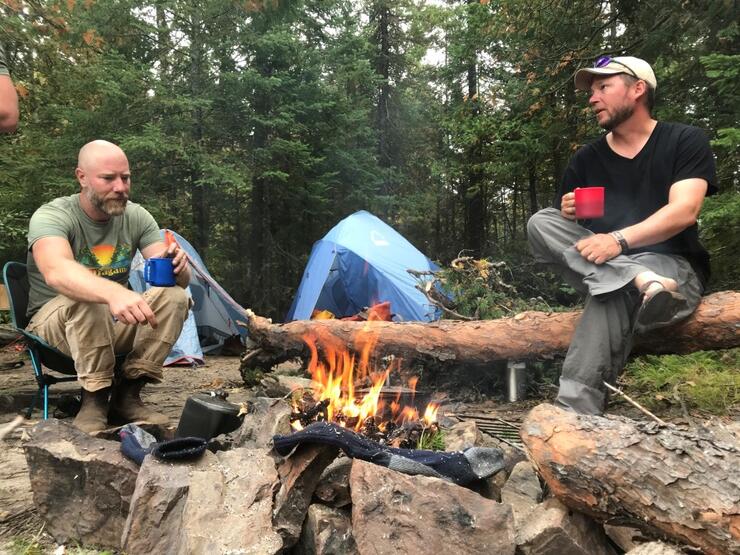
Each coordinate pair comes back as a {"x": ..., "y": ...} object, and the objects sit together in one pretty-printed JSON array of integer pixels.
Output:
[{"x": 80, "y": 249}]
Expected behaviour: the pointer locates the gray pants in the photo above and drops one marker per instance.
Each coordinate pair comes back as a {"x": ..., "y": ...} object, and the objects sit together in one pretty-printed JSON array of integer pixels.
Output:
[{"x": 603, "y": 338}]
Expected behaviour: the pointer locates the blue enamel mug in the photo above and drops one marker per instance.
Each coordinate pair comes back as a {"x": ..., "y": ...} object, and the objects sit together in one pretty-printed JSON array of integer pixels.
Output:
[{"x": 159, "y": 272}]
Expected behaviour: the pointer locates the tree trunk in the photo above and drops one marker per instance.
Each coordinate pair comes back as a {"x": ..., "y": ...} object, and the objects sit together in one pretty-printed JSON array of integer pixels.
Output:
[
  {"x": 658, "y": 478},
  {"x": 449, "y": 344},
  {"x": 199, "y": 198},
  {"x": 532, "y": 189}
]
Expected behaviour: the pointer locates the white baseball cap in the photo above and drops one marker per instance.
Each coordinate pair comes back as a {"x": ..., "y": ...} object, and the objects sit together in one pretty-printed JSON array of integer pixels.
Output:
[{"x": 606, "y": 65}]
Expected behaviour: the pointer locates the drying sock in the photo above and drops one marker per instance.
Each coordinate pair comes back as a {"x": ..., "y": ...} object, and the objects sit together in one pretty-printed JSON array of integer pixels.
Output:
[
  {"x": 181, "y": 448},
  {"x": 461, "y": 467},
  {"x": 135, "y": 442}
]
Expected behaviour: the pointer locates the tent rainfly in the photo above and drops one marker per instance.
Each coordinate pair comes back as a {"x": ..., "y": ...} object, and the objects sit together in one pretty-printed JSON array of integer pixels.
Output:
[{"x": 360, "y": 262}]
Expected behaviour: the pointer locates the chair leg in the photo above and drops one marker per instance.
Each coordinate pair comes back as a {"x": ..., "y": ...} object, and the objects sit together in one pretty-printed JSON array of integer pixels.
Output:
[
  {"x": 43, "y": 389},
  {"x": 29, "y": 412},
  {"x": 46, "y": 402}
]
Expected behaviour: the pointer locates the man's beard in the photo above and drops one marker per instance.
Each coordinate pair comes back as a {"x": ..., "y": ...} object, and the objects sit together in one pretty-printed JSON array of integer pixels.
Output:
[
  {"x": 620, "y": 116},
  {"x": 112, "y": 207}
]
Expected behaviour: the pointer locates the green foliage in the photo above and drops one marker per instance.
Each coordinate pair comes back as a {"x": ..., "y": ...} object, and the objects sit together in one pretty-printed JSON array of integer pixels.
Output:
[
  {"x": 20, "y": 546},
  {"x": 485, "y": 290},
  {"x": 23, "y": 546},
  {"x": 719, "y": 222},
  {"x": 253, "y": 127},
  {"x": 432, "y": 440},
  {"x": 705, "y": 380}
]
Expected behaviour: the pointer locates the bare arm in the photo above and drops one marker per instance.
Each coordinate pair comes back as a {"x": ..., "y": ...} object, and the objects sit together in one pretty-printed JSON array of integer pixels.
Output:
[
  {"x": 179, "y": 259},
  {"x": 55, "y": 260},
  {"x": 684, "y": 204},
  {"x": 8, "y": 105}
]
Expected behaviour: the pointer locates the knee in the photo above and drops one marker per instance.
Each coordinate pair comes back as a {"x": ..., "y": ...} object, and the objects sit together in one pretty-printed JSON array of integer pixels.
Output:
[
  {"x": 174, "y": 299},
  {"x": 539, "y": 221}
]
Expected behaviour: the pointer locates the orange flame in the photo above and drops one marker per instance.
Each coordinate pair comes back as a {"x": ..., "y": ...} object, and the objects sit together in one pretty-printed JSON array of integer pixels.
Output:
[{"x": 338, "y": 372}]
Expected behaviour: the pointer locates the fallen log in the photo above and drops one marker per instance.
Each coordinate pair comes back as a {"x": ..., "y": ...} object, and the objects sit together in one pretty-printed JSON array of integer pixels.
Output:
[
  {"x": 665, "y": 481},
  {"x": 449, "y": 344}
]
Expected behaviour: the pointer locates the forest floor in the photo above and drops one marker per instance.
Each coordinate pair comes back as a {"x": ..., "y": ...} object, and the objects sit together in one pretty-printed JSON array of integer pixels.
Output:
[{"x": 21, "y": 528}]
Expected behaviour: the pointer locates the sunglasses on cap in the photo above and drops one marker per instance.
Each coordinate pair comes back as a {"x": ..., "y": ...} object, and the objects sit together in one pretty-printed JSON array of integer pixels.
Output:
[{"x": 604, "y": 61}]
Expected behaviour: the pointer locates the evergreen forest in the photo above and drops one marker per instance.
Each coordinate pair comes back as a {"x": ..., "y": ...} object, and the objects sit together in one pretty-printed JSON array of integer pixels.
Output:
[{"x": 254, "y": 126}]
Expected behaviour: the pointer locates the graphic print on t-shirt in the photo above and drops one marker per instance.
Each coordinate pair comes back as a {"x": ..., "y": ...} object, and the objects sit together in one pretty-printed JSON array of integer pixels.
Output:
[{"x": 106, "y": 260}]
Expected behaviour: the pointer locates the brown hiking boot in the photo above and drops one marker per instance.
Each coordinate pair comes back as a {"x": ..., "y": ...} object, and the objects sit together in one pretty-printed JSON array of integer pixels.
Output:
[
  {"x": 126, "y": 405},
  {"x": 93, "y": 415}
]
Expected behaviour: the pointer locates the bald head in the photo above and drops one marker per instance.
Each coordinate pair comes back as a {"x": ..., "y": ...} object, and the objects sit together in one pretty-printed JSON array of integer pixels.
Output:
[
  {"x": 96, "y": 151},
  {"x": 105, "y": 179}
]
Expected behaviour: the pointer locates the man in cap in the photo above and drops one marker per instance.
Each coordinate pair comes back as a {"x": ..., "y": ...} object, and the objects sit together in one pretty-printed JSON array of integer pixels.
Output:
[
  {"x": 80, "y": 250},
  {"x": 641, "y": 265},
  {"x": 8, "y": 98}
]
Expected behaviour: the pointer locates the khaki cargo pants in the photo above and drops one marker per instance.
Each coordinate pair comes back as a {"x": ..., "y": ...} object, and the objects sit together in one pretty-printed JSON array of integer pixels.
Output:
[{"x": 87, "y": 333}]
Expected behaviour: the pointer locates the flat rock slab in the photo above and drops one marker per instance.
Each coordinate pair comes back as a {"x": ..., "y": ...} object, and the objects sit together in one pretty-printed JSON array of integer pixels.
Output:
[
  {"x": 223, "y": 503},
  {"x": 398, "y": 513},
  {"x": 553, "y": 529},
  {"x": 82, "y": 486},
  {"x": 333, "y": 486},
  {"x": 326, "y": 531},
  {"x": 299, "y": 475},
  {"x": 522, "y": 491},
  {"x": 655, "y": 548}
]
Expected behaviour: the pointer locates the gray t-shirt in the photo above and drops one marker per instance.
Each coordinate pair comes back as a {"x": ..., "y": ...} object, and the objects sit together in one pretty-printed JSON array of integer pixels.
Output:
[{"x": 107, "y": 248}]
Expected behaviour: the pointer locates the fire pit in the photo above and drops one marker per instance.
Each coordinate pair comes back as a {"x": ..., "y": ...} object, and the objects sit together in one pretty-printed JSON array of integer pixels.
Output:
[{"x": 350, "y": 391}]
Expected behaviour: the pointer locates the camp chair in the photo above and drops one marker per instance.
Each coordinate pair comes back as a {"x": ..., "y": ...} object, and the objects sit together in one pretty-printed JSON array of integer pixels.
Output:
[{"x": 42, "y": 354}]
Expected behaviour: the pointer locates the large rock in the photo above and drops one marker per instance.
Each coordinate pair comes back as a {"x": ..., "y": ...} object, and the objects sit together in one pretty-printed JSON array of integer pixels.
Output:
[
  {"x": 333, "y": 486},
  {"x": 397, "y": 513},
  {"x": 624, "y": 537},
  {"x": 655, "y": 548},
  {"x": 462, "y": 435},
  {"x": 522, "y": 491},
  {"x": 553, "y": 529},
  {"x": 299, "y": 475},
  {"x": 326, "y": 531},
  {"x": 81, "y": 485},
  {"x": 222, "y": 503},
  {"x": 266, "y": 418}
]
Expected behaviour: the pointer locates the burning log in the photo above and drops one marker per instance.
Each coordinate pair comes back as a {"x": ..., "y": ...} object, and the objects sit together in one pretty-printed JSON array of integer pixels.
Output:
[
  {"x": 352, "y": 392},
  {"x": 450, "y": 344},
  {"x": 663, "y": 480}
]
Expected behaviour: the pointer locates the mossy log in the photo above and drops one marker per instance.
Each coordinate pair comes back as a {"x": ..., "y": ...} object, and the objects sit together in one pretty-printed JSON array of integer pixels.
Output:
[
  {"x": 451, "y": 344},
  {"x": 668, "y": 482}
]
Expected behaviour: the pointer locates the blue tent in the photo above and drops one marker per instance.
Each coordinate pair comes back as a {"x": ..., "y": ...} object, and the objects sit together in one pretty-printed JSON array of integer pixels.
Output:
[{"x": 360, "y": 262}]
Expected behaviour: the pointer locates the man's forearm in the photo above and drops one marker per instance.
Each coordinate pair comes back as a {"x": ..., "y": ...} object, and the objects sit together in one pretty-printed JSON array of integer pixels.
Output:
[
  {"x": 73, "y": 280},
  {"x": 663, "y": 224}
]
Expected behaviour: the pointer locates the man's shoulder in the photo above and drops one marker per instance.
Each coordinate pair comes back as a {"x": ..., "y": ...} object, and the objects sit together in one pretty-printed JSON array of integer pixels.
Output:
[
  {"x": 59, "y": 204},
  {"x": 135, "y": 211},
  {"x": 590, "y": 149},
  {"x": 680, "y": 130}
]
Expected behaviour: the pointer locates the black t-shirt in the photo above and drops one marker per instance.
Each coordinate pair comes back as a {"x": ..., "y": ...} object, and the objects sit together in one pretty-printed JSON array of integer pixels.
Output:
[{"x": 636, "y": 188}]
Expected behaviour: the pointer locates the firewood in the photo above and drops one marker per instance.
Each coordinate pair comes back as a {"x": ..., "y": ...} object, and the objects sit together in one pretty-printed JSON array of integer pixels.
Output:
[
  {"x": 666, "y": 481},
  {"x": 450, "y": 344}
]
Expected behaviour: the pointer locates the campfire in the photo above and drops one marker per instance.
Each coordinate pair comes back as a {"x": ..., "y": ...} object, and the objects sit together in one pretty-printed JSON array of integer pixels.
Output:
[{"x": 350, "y": 390}]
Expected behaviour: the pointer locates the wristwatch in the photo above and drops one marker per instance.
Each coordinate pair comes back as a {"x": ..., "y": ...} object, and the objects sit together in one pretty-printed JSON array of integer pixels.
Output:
[{"x": 621, "y": 241}]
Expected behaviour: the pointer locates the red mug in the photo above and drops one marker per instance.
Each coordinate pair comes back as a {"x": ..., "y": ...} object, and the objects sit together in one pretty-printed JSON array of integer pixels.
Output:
[{"x": 589, "y": 202}]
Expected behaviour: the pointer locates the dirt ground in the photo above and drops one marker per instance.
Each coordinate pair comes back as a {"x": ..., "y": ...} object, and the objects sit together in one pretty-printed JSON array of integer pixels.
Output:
[{"x": 18, "y": 518}]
